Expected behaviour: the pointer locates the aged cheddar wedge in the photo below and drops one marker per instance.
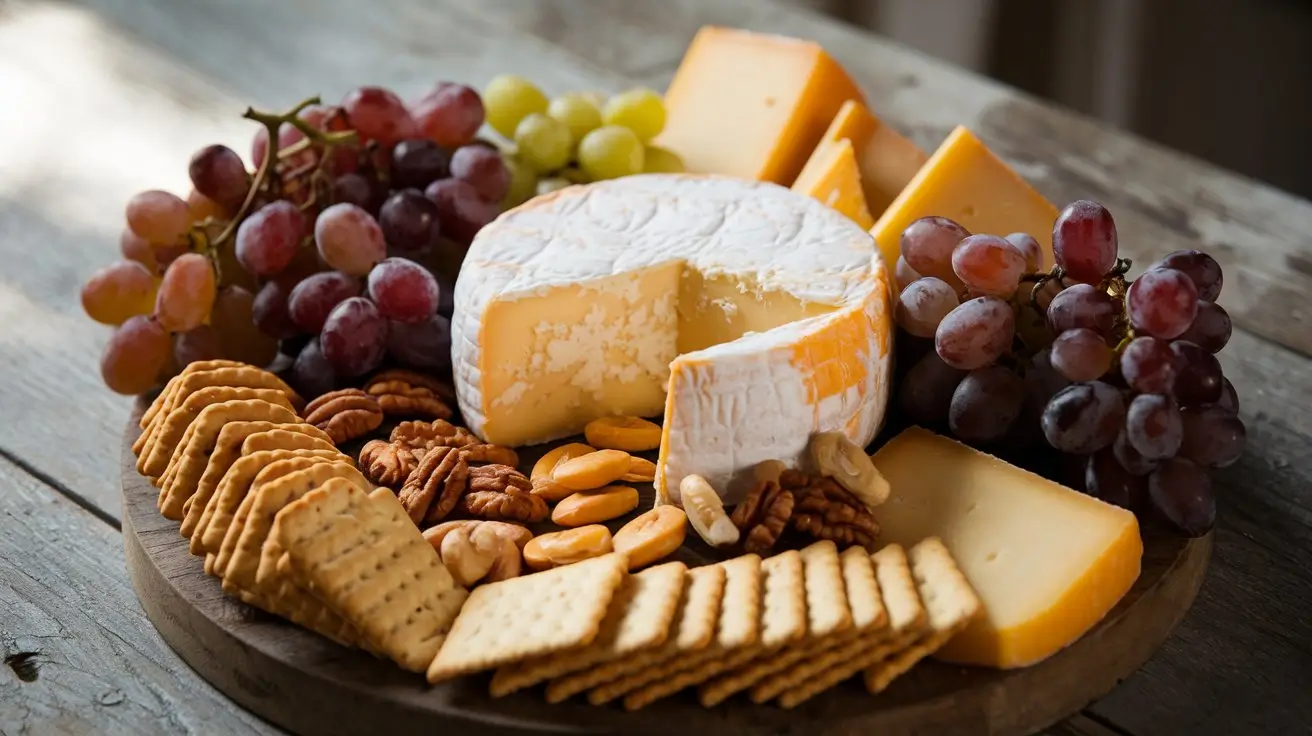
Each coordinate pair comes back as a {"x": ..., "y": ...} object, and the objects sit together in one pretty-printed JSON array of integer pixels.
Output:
[
  {"x": 837, "y": 182},
  {"x": 1047, "y": 562},
  {"x": 964, "y": 181},
  {"x": 749, "y": 315},
  {"x": 752, "y": 105},
  {"x": 887, "y": 160}
]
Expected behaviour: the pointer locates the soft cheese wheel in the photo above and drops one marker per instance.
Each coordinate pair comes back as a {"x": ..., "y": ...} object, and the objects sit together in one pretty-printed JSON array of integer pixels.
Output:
[{"x": 748, "y": 315}]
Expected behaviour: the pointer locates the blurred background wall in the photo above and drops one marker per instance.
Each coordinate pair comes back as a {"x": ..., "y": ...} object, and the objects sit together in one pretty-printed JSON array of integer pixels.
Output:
[{"x": 1229, "y": 81}]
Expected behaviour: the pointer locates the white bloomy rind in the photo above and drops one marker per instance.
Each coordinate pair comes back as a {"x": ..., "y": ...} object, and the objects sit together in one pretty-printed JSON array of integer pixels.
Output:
[{"x": 598, "y": 270}]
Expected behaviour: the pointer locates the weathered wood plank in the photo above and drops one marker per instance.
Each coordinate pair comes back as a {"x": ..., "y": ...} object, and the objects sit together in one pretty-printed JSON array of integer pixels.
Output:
[
  {"x": 1162, "y": 200},
  {"x": 81, "y": 657}
]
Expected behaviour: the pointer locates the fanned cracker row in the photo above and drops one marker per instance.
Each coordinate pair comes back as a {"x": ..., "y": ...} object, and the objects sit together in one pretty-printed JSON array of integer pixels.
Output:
[
  {"x": 188, "y": 383},
  {"x": 530, "y": 616},
  {"x": 236, "y": 481},
  {"x": 165, "y": 397},
  {"x": 172, "y": 429},
  {"x": 269, "y": 473},
  {"x": 227, "y": 449},
  {"x": 639, "y": 619},
  {"x": 693, "y": 629},
  {"x": 189, "y": 459},
  {"x": 949, "y": 601},
  {"x": 829, "y": 617},
  {"x": 737, "y": 627},
  {"x": 907, "y": 622},
  {"x": 361, "y": 554}
]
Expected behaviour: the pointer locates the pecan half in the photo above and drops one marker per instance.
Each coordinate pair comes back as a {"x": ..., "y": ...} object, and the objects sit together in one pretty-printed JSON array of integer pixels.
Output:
[
  {"x": 495, "y": 454},
  {"x": 419, "y": 435},
  {"x": 387, "y": 464},
  {"x": 406, "y": 393},
  {"x": 345, "y": 414},
  {"x": 502, "y": 478},
  {"x": 826, "y": 510},
  {"x": 512, "y": 505},
  {"x": 435, "y": 486},
  {"x": 776, "y": 510}
]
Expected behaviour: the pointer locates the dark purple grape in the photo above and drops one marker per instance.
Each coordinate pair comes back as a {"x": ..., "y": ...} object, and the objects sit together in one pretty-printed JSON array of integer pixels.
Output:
[
  {"x": 218, "y": 173},
  {"x": 1181, "y": 492},
  {"x": 1210, "y": 329},
  {"x": 985, "y": 404},
  {"x": 312, "y": 375},
  {"x": 403, "y": 290},
  {"x": 1042, "y": 382},
  {"x": 354, "y": 337},
  {"x": 423, "y": 346},
  {"x": 1153, "y": 426},
  {"x": 271, "y": 313},
  {"x": 1162, "y": 303},
  {"x": 1149, "y": 366},
  {"x": 410, "y": 221},
  {"x": 927, "y": 244},
  {"x": 1081, "y": 355},
  {"x": 1201, "y": 269},
  {"x": 1084, "y": 241},
  {"x": 418, "y": 162},
  {"x": 314, "y": 298},
  {"x": 483, "y": 169},
  {"x": 926, "y": 391},
  {"x": 462, "y": 211},
  {"x": 197, "y": 344},
  {"x": 1213, "y": 436},
  {"x": 923, "y": 304},
  {"x": 1084, "y": 417},
  {"x": 1130, "y": 459},
  {"x": 1084, "y": 306},
  {"x": 359, "y": 190},
  {"x": 1229, "y": 397},
  {"x": 1198, "y": 380},
  {"x": 1106, "y": 480},
  {"x": 975, "y": 333}
]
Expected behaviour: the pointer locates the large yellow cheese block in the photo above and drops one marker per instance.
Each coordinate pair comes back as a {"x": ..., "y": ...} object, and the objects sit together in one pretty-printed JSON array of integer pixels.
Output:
[
  {"x": 1047, "y": 562},
  {"x": 752, "y": 105},
  {"x": 836, "y": 181},
  {"x": 886, "y": 159},
  {"x": 966, "y": 182},
  {"x": 749, "y": 315}
]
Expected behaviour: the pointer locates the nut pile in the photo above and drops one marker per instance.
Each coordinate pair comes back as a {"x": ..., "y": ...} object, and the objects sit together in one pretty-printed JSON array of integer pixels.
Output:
[{"x": 815, "y": 506}]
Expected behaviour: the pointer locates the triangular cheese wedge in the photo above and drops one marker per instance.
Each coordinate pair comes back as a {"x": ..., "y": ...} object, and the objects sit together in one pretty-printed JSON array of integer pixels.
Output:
[
  {"x": 966, "y": 182},
  {"x": 836, "y": 181},
  {"x": 887, "y": 160}
]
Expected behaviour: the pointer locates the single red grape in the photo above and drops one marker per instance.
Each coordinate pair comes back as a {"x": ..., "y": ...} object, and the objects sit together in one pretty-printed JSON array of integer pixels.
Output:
[
  {"x": 403, "y": 290},
  {"x": 1084, "y": 241},
  {"x": 1162, "y": 303}
]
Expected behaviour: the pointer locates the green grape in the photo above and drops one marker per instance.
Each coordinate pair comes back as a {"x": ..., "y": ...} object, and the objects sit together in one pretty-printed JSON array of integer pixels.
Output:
[
  {"x": 543, "y": 142},
  {"x": 508, "y": 99},
  {"x": 577, "y": 112},
  {"x": 523, "y": 183},
  {"x": 639, "y": 110},
  {"x": 659, "y": 160},
  {"x": 610, "y": 152}
]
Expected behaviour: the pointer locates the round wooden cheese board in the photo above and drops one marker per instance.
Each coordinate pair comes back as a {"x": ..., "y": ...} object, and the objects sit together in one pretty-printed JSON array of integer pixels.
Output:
[{"x": 308, "y": 684}]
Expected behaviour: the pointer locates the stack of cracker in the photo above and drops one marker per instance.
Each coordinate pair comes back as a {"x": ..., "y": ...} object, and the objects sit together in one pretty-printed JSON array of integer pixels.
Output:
[{"x": 781, "y": 629}]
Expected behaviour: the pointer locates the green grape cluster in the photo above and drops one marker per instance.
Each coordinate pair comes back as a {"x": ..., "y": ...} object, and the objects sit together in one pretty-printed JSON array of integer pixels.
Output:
[{"x": 575, "y": 138}]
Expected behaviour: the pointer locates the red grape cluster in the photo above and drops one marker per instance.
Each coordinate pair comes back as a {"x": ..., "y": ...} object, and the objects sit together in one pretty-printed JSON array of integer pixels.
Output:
[
  {"x": 340, "y": 248},
  {"x": 1122, "y": 375}
]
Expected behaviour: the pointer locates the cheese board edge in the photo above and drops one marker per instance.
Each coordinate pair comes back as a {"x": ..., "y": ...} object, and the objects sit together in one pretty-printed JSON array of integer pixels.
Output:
[{"x": 307, "y": 684}]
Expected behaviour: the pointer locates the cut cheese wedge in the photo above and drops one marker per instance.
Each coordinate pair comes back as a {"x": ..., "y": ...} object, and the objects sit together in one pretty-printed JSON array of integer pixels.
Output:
[
  {"x": 836, "y": 181},
  {"x": 752, "y": 105},
  {"x": 886, "y": 159},
  {"x": 964, "y": 181},
  {"x": 748, "y": 315},
  {"x": 1047, "y": 562}
]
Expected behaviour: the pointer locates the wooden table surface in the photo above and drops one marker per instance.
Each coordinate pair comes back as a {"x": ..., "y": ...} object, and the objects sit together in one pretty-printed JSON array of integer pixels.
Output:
[{"x": 102, "y": 98}]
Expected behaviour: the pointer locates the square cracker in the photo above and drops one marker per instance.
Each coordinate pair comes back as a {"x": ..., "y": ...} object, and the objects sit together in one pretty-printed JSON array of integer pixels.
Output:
[
  {"x": 842, "y": 600},
  {"x": 227, "y": 448},
  {"x": 906, "y": 621},
  {"x": 530, "y": 616},
  {"x": 361, "y": 554},
  {"x": 266, "y": 501},
  {"x": 949, "y": 601},
  {"x": 869, "y": 622},
  {"x": 638, "y": 620},
  {"x": 170, "y": 430},
  {"x": 236, "y": 482},
  {"x": 267, "y": 474},
  {"x": 189, "y": 382},
  {"x": 190, "y": 459},
  {"x": 737, "y": 626},
  {"x": 693, "y": 628},
  {"x": 165, "y": 397}
]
